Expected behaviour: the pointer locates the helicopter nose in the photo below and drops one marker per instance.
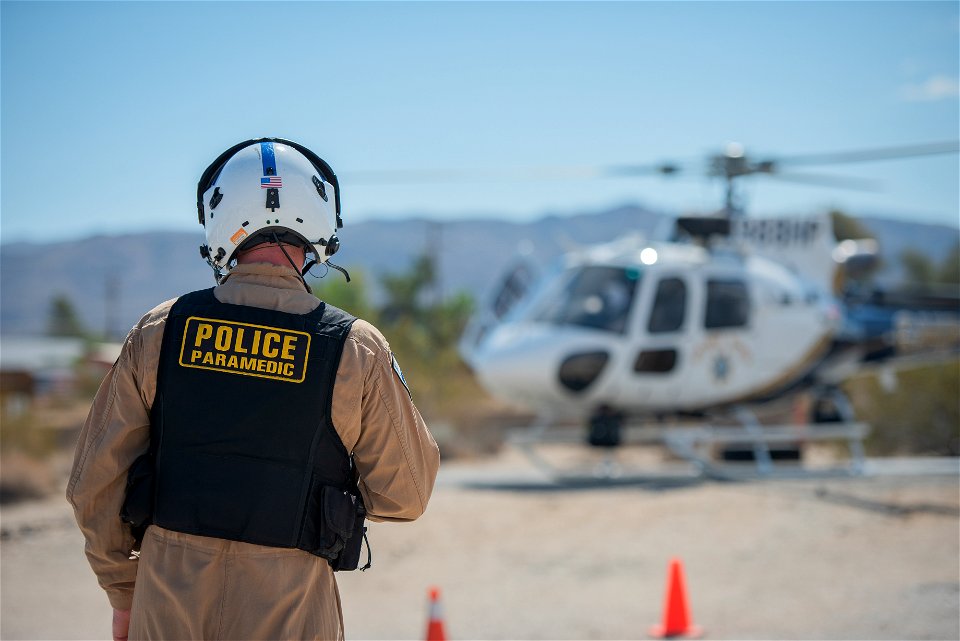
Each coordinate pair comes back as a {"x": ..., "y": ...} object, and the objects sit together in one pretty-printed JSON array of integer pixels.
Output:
[
  {"x": 534, "y": 365},
  {"x": 511, "y": 365}
]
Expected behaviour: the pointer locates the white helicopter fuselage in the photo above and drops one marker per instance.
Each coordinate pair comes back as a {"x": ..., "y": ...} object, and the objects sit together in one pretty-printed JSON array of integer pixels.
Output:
[{"x": 656, "y": 327}]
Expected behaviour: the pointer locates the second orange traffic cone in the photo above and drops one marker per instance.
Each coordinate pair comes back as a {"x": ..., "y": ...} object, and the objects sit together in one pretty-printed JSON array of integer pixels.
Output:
[
  {"x": 676, "y": 609},
  {"x": 435, "y": 631}
]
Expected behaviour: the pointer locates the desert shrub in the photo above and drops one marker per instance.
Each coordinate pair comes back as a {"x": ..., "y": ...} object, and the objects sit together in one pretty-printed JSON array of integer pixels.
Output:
[{"x": 918, "y": 414}]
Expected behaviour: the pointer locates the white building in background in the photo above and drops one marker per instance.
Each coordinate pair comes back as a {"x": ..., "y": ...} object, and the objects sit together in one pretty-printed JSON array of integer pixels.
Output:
[{"x": 34, "y": 367}]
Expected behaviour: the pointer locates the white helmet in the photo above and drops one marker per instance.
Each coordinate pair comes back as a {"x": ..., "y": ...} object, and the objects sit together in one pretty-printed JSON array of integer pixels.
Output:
[{"x": 267, "y": 190}]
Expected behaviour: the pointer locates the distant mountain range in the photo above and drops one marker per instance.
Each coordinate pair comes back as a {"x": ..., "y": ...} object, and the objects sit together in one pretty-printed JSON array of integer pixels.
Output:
[{"x": 148, "y": 268}]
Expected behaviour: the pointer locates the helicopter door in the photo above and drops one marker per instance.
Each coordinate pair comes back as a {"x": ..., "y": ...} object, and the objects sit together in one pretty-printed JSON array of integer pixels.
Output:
[
  {"x": 664, "y": 327},
  {"x": 722, "y": 363},
  {"x": 658, "y": 351}
]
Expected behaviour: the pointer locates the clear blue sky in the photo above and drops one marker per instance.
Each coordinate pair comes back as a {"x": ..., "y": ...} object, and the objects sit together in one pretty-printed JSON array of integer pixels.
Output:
[{"x": 110, "y": 111}]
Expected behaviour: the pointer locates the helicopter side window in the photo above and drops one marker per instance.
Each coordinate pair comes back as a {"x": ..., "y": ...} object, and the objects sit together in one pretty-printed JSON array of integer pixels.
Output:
[
  {"x": 669, "y": 306},
  {"x": 728, "y": 304},
  {"x": 659, "y": 361},
  {"x": 595, "y": 297}
]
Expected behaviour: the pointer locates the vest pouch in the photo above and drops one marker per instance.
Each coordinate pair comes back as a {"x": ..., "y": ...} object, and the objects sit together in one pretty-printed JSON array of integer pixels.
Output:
[
  {"x": 328, "y": 522},
  {"x": 338, "y": 512},
  {"x": 137, "y": 509},
  {"x": 349, "y": 558}
]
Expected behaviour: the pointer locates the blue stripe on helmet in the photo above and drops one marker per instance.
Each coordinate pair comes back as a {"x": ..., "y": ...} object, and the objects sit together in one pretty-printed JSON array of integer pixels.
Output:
[{"x": 269, "y": 158}]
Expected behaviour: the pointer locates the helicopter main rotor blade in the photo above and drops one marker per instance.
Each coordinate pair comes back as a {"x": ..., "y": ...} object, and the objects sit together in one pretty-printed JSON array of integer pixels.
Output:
[
  {"x": 507, "y": 174},
  {"x": 822, "y": 180},
  {"x": 416, "y": 176},
  {"x": 663, "y": 169},
  {"x": 515, "y": 174},
  {"x": 869, "y": 155},
  {"x": 724, "y": 166}
]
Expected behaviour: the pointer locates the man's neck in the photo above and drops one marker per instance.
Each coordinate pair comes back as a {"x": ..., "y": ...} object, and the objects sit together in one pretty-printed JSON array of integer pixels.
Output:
[{"x": 281, "y": 255}]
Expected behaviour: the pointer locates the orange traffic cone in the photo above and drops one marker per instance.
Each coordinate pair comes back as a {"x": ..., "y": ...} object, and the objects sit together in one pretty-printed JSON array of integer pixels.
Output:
[
  {"x": 435, "y": 630},
  {"x": 676, "y": 611}
]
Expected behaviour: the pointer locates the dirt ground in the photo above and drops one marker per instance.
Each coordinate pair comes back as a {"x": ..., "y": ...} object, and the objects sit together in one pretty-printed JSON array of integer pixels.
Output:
[{"x": 873, "y": 557}]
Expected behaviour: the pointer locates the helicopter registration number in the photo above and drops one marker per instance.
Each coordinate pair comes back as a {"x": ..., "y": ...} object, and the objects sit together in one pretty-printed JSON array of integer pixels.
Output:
[{"x": 781, "y": 232}]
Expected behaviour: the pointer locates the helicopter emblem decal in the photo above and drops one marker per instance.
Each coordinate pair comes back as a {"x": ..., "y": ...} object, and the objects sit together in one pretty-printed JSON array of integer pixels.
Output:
[{"x": 721, "y": 367}]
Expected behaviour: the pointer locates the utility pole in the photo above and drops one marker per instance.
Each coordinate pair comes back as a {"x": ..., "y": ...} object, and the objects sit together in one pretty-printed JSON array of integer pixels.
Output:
[
  {"x": 111, "y": 306},
  {"x": 435, "y": 247}
]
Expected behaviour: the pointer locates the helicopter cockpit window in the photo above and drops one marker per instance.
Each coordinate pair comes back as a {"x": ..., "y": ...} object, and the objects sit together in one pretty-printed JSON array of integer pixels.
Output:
[
  {"x": 512, "y": 290},
  {"x": 669, "y": 306},
  {"x": 728, "y": 304},
  {"x": 596, "y": 297}
]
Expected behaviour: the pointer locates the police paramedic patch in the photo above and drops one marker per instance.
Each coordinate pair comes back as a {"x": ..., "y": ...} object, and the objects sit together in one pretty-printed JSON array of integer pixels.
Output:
[
  {"x": 245, "y": 349},
  {"x": 396, "y": 368}
]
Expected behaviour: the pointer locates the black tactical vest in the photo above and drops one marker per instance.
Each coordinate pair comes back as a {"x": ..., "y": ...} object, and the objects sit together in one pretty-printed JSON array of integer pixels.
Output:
[{"x": 242, "y": 443}]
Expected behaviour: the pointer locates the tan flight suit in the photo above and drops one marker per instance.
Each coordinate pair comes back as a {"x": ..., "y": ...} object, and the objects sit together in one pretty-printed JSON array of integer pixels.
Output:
[{"x": 193, "y": 587}]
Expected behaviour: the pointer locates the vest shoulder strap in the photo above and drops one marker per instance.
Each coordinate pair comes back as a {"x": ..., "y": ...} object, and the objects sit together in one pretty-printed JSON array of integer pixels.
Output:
[{"x": 325, "y": 314}]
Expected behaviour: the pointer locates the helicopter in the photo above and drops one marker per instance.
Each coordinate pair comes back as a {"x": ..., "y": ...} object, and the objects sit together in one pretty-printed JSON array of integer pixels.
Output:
[{"x": 725, "y": 313}]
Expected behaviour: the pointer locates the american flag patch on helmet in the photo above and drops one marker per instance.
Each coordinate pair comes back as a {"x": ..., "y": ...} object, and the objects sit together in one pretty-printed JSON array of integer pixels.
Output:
[{"x": 269, "y": 182}]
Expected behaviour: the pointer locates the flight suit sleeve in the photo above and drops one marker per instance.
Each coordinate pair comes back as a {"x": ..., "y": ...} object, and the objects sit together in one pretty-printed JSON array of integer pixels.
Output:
[
  {"x": 115, "y": 433},
  {"x": 396, "y": 456}
]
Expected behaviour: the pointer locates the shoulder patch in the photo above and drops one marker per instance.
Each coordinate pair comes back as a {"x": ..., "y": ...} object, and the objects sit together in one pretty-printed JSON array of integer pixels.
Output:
[{"x": 396, "y": 368}]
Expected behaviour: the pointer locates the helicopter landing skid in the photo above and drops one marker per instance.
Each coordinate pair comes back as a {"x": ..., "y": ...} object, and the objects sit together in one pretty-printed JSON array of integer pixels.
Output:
[{"x": 691, "y": 450}]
